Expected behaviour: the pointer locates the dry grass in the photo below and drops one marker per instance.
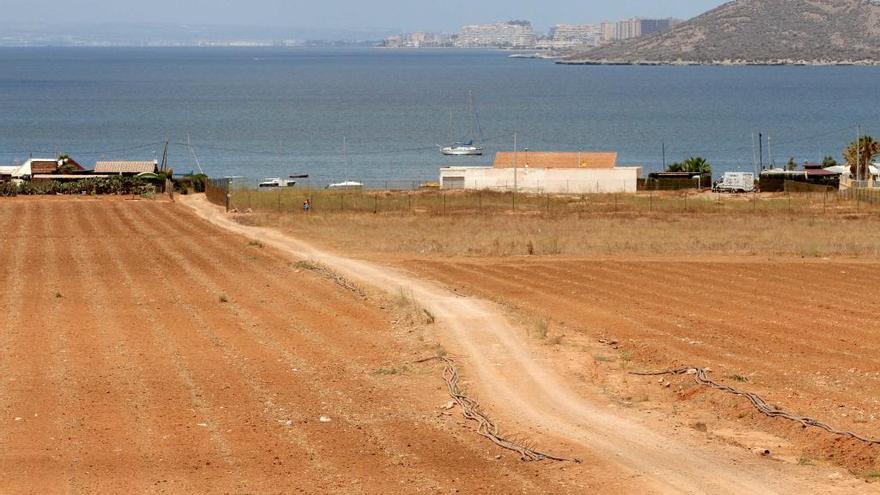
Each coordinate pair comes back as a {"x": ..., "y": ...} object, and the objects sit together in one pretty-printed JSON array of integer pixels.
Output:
[{"x": 589, "y": 235}]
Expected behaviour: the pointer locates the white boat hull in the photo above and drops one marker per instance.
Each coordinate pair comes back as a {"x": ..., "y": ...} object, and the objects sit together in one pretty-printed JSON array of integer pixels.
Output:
[{"x": 462, "y": 151}]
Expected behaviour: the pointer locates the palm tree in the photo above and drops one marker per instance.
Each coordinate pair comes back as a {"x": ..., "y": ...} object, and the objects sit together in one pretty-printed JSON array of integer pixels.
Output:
[
  {"x": 697, "y": 164},
  {"x": 860, "y": 155},
  {"x": 675, "y": 167},
  {"x": 694, "y": 165}
]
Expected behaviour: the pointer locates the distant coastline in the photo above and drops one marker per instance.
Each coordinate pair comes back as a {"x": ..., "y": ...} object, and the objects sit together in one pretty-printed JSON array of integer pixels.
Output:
[{"x": 725, "y": 63}]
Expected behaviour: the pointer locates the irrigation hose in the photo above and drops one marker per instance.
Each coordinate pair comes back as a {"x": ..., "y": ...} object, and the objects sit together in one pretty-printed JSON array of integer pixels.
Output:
[
  {"x": 486, "y": 428},
  {"x": 701, "y": 376}
]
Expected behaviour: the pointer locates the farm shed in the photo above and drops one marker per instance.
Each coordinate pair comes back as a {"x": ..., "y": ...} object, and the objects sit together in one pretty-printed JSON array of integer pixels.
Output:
[{"x": 546, "y": 172}]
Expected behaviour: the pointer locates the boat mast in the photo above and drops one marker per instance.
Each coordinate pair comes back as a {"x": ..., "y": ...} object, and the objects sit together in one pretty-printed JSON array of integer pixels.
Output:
[{"x": 476, "y": 130}]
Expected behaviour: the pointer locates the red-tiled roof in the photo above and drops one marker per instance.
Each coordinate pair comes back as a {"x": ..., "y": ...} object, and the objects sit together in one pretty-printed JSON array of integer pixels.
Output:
[{"x": 120, "y": 167}]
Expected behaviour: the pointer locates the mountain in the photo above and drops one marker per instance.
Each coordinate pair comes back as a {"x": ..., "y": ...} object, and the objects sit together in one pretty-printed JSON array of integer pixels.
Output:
[{"x": 758, "y": 32}]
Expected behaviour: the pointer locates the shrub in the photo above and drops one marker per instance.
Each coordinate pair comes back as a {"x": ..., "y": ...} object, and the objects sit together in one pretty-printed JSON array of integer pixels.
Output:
[
  {"x": 8, "y": 189},
  {"x": 90, "y": 186}
]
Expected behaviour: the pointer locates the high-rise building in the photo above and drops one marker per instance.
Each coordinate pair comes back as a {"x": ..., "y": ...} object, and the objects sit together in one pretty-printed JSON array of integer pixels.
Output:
[
  {"x": 629, "y": 28},
  {"x": 609, "y": 31},
  {"x": 512, "y": 34}
]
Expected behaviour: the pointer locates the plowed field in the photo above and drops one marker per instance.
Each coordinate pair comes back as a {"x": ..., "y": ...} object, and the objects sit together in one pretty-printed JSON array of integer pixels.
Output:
[
  {"x": 803, "y": 334},
  {"x": 144, "y": 351}
]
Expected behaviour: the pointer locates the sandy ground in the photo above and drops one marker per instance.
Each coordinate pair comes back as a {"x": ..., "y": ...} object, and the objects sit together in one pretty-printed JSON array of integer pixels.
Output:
[
  {"x": 535, "y": 395},
  {"x": 123, "y": 371}
]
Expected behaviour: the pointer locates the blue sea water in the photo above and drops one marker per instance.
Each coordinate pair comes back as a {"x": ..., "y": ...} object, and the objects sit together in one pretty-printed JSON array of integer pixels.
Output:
[{"x": 260, "y": 112}]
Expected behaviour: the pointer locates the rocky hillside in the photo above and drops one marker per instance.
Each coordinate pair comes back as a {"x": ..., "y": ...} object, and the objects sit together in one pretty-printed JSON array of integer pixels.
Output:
[{"x": 758, "y": 32}]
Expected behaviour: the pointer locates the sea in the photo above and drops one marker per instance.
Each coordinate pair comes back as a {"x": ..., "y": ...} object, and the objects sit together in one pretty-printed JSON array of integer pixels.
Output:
[{"x": 378, "y": 115}]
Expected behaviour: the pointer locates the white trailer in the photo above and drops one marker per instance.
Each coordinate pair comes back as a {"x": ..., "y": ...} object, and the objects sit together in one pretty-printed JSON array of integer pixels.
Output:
[{"x": 736, "y": 182}]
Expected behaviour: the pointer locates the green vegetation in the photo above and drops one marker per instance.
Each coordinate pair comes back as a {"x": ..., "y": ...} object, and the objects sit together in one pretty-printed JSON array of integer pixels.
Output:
[
  {"x": 391, "y": 371},
  {"x": 191, "y": 182},
  {"x": 306, "y": 265},
  {"x": 89, "y": 186},
  {"x": 694, "y": 164},
  {"x": 829, "y": 161}
]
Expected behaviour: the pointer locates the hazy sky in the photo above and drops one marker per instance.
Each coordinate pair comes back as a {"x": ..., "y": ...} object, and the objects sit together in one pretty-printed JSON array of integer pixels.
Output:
[{"x": 346, "y": 14}]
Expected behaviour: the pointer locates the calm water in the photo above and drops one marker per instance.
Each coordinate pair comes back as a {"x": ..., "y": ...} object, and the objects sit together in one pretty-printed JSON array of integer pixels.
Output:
[{"x": 270, "y": 112}]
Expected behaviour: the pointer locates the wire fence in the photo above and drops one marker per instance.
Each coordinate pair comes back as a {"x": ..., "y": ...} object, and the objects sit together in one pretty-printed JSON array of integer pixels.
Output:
[{"x": 290, "y": 200}]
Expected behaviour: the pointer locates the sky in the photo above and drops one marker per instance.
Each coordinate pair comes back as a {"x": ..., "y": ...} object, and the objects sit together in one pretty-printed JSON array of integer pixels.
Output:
[{"x": 404, "y": 15}]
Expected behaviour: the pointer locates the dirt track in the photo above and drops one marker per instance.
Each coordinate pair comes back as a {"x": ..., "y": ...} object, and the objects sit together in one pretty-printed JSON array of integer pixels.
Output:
[
  {"x": 122, "y": 371},
  {"x": 524, "y": 390}
]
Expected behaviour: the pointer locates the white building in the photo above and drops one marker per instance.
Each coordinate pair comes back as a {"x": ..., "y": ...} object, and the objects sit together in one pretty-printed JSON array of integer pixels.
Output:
[
  {"x": 512, "y": 34},
  {"x": 536, "y": 172}
]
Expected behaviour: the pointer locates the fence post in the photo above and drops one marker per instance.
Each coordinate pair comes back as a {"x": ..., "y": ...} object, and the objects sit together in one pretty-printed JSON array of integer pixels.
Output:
[
  {"x": 228, "y": 193},
  {"x": 480, "y": 200},
  {"x": 615, "y": 202},
  {"x": 375, "y": 204},
  {"x": 685, "y": 200},
  {"x": 789, "y": 201},
  {"x": 548, "y": 202},
  {"x": 650, "y": 200},
  {"x": 444, "y": 203},
  {"x": 825, "y": 201}
]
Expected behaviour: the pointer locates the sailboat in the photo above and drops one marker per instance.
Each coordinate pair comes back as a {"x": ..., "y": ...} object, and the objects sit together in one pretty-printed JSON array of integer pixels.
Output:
[{"x": 467, "y": 148}]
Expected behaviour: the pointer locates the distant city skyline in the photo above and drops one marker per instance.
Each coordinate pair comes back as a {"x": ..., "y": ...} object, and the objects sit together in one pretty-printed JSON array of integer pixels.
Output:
[{"x": 391, "y": 15}]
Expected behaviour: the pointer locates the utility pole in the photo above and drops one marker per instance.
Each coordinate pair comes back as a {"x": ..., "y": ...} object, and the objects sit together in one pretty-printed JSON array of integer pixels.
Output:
[
  {"x": 664, "y": 156},
  {"x": 228, "y": 192},
  {"x": 164, "y": 157},
  {"x": 770, "y": 152}
]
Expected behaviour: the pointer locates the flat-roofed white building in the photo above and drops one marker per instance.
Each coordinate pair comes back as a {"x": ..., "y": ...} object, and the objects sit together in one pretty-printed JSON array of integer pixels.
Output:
[
  {"x": 512, "y": 34},
  {"x": 542, "y": 172},
  {"x": 575, "y": 35}
]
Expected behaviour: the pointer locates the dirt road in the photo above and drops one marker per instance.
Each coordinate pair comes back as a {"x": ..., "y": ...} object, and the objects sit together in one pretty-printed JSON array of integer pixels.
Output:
[
  {"x": 524, "y": 393},
  {"x": 144, "y": 351}
]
